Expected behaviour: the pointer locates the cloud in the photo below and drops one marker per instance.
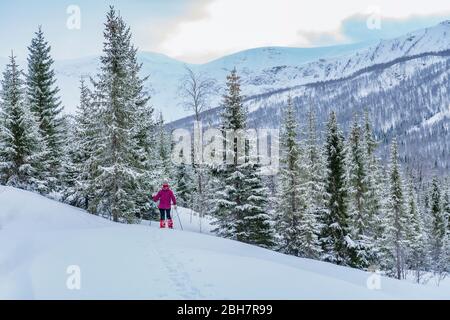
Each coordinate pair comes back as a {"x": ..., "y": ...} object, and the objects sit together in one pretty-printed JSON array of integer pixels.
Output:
[
  {"x": 355, "y": 28},
  {"x": 322, "y": 38},
  {"x": 150, "y": 33},
  {"x": 216, "y": 27}
]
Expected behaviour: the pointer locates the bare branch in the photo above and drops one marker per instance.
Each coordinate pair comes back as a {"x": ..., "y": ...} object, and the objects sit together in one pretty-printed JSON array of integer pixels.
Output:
[{"x": 195, "y": 90}]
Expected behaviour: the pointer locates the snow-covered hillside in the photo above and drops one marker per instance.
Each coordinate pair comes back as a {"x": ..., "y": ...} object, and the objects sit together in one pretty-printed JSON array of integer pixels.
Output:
[
  {"x": 403, "y": 83},
  {"x": 264, "y": 70},
  {"x": 165, "y": 73},
  {"x": 40, "y": 239}
]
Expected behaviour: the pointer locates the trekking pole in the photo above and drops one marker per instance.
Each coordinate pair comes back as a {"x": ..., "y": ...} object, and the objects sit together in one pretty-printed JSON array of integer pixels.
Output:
[{"x": 179, "y": 220}]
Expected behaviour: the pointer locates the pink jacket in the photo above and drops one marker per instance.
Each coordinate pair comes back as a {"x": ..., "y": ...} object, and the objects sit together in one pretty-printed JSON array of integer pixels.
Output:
[{"x": 165, "y": 196}]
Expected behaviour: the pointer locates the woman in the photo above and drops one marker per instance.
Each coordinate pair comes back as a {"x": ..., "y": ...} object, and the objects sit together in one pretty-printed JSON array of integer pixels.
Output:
[{"x": 165, "y": 196}]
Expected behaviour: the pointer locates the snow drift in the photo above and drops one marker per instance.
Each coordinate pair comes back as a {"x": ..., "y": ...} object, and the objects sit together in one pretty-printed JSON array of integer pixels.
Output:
[{"x": 40, "y": 239}]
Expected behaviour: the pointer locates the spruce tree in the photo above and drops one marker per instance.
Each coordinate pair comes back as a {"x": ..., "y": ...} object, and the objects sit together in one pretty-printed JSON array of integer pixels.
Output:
[
  {"x": 234, "y": 114},
  {"x": 69, "y": 171},
  {"x": 313, "y": 189},
  {"x": 78, "y": 173},
  {"x": 446, "y": 205},
  {"x": 214, "y": 186},
  {"x": 229, "y": 197},
  {"x": 42, "y": 95},
  {"x": 337, "y": 244},
  {"x": 20, "y": 146},
  {"x": 253, "y": 224},
  {"x": 290, "y": 201},
  {"x": 118, "y": 97},
  {"x": 296, "y": 216},
  {"x": 314, "y": 167},
  {"x": 357, "y": 186},
  {"x": 438, "y": 232},
  {"x": 144, "y": 134},
  {"x": 396, "y": 221},
  {"x": 375, "y": 187},
  {"x": 417, "y": 257},
  {"x": 241, "y": 204},
  {"x": 184, "y": 186}
]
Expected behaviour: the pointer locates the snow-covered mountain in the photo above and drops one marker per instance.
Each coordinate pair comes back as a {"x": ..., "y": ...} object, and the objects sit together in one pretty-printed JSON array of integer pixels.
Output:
[
  {"x": 165, "y": 73},
  {"x": 48, "y": 248},
  {"x": 264, "y": 70},
  {"x": 403, "y": 82}
]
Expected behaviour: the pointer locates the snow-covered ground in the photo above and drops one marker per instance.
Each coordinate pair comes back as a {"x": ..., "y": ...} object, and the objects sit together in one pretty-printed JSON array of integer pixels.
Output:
[{"x": 41, "y": 240}]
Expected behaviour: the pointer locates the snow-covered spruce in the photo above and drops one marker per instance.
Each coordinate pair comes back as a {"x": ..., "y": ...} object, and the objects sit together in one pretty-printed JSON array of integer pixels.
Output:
[
  {"x": 42, "y": 96},
  {"x": 119, "y": 159},
  {"x": 241, "y": 204},
  {"x": 295, "y": 215},
  {"x": 21, "y": 146},
  {"x": 338, "y": 246}
]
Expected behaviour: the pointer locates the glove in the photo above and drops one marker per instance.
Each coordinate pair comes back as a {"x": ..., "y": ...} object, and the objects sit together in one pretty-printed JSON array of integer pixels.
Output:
[{"x": 175, "y": 206}]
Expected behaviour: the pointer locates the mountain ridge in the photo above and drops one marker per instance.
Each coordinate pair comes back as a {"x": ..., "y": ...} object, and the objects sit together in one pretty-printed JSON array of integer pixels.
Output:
[
  {"x": 165, "y": 72},
  {"x": 402, "y": 82}
]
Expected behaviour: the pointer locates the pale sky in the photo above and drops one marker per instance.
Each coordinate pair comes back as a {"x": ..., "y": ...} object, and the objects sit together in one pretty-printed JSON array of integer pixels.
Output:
[{"x": 201, "y": 30}]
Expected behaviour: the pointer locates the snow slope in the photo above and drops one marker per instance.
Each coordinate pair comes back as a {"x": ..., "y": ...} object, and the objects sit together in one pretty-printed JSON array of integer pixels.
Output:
[{"x": 40, "y": 239}]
